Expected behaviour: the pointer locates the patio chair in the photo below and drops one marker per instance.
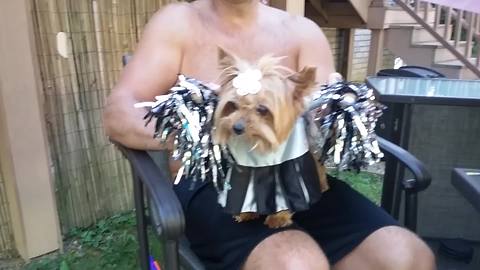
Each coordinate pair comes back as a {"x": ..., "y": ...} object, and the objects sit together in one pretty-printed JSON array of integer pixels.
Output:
[
  {"x": 411, "y": 71},
  {"x": 157, "y": 205}
]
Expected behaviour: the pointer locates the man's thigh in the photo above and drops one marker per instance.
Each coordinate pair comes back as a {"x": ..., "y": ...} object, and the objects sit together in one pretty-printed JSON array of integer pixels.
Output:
[
  {"x": 389, "y": 248},
  {"x": 342, "y": 219},
  {"x": 291, "y": 249}
]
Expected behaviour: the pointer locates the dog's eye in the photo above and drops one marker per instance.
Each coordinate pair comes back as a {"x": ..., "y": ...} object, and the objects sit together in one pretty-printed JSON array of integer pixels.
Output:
[{"x": 262, "y": 110}]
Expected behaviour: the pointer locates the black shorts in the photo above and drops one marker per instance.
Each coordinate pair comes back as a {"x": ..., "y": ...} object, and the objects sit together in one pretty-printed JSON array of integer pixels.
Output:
[{"x": 339, "y": 222}]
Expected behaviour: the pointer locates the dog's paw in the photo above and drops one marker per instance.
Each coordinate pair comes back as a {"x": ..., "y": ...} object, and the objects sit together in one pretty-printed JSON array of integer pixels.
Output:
[
  {"x": 279, "y": 220},
  {"x": 322, "y": 175},
  {"x": 324, "y": 186},
  {"x": 246, "y": 217}
]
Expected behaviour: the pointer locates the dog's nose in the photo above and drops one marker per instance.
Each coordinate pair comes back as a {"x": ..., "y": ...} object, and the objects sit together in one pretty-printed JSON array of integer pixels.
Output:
[{"x": 239, "y": 127}]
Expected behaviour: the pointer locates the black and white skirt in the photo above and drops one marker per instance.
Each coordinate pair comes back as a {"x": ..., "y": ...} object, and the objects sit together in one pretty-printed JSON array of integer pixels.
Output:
[{"x": 291, "y": 185}]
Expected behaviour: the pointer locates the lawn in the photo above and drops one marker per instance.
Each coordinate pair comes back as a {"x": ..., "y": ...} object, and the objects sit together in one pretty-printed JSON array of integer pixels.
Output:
[
  {"x": 111, "y": 243},
  {"x": 369, "y": 184}
]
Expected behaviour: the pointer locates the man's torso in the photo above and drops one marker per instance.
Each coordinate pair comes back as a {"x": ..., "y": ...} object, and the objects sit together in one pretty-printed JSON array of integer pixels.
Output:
[{"x": 273, "y": 33}]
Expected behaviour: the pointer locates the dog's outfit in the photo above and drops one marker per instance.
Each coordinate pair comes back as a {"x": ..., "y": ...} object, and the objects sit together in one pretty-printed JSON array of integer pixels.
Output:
[{"x": 285, "y": 179}]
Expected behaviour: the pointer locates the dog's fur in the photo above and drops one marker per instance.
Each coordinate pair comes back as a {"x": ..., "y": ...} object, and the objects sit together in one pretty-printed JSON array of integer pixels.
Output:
[{"x": 266, "y": 118}]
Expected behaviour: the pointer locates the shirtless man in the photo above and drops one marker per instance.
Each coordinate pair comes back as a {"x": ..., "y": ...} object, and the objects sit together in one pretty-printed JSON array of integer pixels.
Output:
[{"x": 344, "y": 230}]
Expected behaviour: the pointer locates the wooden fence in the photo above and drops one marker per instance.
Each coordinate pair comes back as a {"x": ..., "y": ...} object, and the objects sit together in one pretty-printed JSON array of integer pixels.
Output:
[{"x": 80, "y": 44}]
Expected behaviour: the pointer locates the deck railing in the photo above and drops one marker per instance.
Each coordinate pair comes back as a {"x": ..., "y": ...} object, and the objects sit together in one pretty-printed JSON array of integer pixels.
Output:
[{"x": 460, "y": 33}]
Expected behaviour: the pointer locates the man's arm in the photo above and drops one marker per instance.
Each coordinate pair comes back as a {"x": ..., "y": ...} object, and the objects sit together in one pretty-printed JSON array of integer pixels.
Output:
[
  {"x": 151, "y": 72},
  {"x": 314, "y": 49}
]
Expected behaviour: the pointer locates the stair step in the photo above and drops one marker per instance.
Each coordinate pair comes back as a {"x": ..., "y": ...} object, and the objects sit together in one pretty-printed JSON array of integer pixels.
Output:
[
  {"x": 441, "y": 52},
  {"x": 456, "y": 67},
  {"x": 438, "y": 44},
  {"x": 405, "y": 25},
  {"x": 399, "y": 16},
  {"x": 414, "y": 26},
  {"x": 420, "y": 34},
  {"x": 455, "y": 63}
]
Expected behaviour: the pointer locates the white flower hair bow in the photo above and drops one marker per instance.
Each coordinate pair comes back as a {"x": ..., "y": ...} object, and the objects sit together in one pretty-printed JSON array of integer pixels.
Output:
[{"x": 248, "y": 82}]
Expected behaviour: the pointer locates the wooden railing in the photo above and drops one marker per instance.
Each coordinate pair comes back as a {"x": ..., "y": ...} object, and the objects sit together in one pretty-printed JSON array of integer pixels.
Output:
[{"x": 461, "y": 33}]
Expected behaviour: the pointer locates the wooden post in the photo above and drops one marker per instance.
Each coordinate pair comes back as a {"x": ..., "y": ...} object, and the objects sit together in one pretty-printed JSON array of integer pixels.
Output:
[
  {"x": 294, "y": 7},
  {"x": 376, "y": 51},
  {"x": 348, "y": 42},
  {"x": 23, "y": 145}
]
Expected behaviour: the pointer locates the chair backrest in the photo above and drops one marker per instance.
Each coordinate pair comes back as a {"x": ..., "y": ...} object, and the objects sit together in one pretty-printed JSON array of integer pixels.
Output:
[
  {"x": 411, "y": 71},
  {"x": 397, "y": 73},
  {"x": 424, "y": 71},
  {"x": 162, "y": 160}
]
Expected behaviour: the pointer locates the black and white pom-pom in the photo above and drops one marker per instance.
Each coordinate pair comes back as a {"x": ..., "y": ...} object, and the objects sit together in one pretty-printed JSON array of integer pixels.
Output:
[
  {"x": 186, "y": 114},
  {"x": 342, "y": 118}
]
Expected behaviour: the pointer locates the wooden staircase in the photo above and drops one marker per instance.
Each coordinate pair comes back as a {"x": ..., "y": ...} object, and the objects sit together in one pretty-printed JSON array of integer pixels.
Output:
[
  {"x": 338, "y": 13},
  {"x": 420, "y": 33},
  {"x": 428, "y": 35}
]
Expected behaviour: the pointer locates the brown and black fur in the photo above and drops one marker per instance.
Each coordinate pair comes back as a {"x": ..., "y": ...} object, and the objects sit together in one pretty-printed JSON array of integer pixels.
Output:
[{"x": 266, "y": 118}]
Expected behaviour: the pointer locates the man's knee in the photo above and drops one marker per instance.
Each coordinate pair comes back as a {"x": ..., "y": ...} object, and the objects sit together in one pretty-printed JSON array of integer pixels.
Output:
[
  {"x": 387, "y": 249},
  {"x": 402, "y": 249},
  {"x": 287, "y": 250}
]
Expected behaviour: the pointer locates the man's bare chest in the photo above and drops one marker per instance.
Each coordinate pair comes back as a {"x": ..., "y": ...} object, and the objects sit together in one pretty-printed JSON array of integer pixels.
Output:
[{"x": 200, "y": 54}]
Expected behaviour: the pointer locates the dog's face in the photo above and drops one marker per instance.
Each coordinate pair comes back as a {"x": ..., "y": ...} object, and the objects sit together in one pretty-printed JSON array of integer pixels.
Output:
[{"x": 264, "y": 117}]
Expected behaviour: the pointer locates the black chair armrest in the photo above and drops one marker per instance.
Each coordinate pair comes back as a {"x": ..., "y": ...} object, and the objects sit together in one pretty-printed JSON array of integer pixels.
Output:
[
  {"x": 422, "y": 178},
  {"x": 166, "y": 209},
  {"x": 188, "y": 259}
]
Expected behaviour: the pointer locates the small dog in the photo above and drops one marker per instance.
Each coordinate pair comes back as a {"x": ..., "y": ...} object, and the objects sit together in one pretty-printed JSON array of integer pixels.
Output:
[{"x": 266, "y": 116}]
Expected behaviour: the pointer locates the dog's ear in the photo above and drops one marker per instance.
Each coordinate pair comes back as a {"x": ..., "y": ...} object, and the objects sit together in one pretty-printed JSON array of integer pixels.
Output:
[
  {"x": 227, "y": 64},
  {"x": 225, "y": 59},
  {"x": 304, "y": 80}
]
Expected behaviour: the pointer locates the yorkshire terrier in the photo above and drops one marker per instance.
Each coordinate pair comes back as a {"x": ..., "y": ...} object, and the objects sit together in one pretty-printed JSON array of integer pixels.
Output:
[{"x": 266, "y": 117}]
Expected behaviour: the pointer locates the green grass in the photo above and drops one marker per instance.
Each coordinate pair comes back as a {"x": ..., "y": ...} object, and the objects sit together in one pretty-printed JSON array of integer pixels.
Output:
[
  {"x": 111, "y": 243},
  {"x": 369, "y": 184}
]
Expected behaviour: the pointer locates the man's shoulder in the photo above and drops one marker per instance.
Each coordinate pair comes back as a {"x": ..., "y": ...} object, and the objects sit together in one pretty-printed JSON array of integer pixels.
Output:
[
  {"x": 304, "y": 27},
  {"x": 177, "y": 16}
]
